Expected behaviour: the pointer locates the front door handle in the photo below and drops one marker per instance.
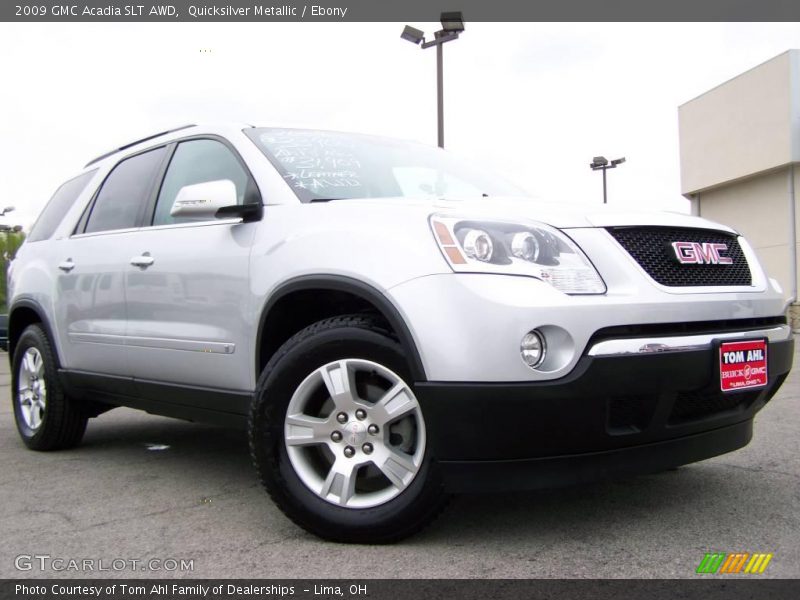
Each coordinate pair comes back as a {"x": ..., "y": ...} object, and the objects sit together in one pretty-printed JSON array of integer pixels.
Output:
[
  {"x": 67, "y": 265},
  {"x": 143, "y": 261}
]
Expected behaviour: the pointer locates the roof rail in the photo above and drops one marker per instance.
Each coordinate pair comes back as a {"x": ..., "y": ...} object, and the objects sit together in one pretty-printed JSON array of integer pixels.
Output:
[{"x": 144, "y": 139}]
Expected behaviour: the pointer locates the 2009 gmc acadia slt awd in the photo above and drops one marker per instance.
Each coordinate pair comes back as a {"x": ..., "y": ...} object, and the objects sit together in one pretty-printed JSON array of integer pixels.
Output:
[{"x": 390, "y": 324}]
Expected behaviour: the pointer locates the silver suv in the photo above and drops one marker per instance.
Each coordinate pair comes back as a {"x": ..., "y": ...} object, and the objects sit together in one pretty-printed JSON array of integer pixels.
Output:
[{"x": 389, "y": 323}]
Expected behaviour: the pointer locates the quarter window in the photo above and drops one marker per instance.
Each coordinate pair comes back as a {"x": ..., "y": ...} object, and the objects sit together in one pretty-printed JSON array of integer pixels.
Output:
[
  {"x": 198, "y": 161},
  {"x": 124, "y": 193},
  {"x": 58, "y": 206}
]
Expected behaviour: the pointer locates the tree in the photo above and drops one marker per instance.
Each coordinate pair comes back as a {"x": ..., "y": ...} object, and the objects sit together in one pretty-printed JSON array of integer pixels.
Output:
[{"x": 10, "y": 241}]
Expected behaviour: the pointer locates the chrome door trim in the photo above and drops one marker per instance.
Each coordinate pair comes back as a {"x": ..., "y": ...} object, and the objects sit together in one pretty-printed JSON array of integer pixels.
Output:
[{"x": 161, "y": 343}]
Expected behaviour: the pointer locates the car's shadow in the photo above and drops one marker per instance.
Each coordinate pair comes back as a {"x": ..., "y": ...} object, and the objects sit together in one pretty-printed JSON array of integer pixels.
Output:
[{"x": 589, "y": 512}]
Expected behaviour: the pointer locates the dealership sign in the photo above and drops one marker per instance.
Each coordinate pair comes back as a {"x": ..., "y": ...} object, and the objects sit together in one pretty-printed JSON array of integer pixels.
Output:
[{"x": 743, "y": 365}]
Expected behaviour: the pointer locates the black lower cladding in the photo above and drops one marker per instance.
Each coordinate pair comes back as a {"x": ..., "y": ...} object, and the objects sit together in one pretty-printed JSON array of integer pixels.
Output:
[{"x": 612, "y": 416}]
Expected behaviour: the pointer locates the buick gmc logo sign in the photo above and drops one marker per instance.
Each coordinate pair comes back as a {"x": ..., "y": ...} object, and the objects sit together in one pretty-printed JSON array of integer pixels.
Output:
[{"x": 701, "y": 253}]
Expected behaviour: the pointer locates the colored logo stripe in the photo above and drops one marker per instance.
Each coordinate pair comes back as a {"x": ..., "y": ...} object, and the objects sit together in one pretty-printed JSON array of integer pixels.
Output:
[
  {"x": 711, "y": 562},
  {"x": 758, "y": 563},
  {"x": 734, "y": 562}
]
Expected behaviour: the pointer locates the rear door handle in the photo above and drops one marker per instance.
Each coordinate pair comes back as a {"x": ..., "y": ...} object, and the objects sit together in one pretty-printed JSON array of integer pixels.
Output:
[
  {"x": 143, "y": 261},
  {"x": 67, "y": 265}
]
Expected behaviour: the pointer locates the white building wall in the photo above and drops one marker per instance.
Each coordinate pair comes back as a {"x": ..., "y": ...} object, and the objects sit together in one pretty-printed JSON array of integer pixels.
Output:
[
  {"x": 742, "y": 127},
  {"x": 739, "y": 142}
]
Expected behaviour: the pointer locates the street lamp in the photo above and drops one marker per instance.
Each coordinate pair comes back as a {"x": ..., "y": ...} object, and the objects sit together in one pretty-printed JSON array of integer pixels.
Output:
[
  {"x": 452, "y": 26},
  {"x": 601, "y": 163},
  {"x": 7, "y": 209}
]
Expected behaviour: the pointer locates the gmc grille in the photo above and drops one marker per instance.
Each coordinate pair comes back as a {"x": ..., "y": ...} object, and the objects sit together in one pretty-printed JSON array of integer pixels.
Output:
[{"x": 652, "y": 248}]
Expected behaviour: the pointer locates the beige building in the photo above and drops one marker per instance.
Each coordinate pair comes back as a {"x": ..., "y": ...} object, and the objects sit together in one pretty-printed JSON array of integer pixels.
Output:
[{"x": 740, "y": 147}]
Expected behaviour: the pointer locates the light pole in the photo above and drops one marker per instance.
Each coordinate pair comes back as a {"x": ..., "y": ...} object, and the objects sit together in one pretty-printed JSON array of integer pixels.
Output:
[
  {"x": 452, "y": 25},
  {"x": 601, "y": 163}
]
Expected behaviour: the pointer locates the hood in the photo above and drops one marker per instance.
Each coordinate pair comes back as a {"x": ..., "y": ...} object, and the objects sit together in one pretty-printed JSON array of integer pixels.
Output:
[{"x": 561, "y": 216}]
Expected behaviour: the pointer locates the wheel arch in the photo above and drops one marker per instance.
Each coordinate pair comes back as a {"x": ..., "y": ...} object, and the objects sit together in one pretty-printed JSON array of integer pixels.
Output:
[
  {"x": 363, "y": 296},
  {"x": 26, "y": 312}
]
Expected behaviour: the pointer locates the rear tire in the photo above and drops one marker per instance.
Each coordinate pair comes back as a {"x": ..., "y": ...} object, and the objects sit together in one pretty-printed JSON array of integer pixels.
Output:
[
  {"x": 367, "y": 478},
  {"x": 47, "y": 419}
]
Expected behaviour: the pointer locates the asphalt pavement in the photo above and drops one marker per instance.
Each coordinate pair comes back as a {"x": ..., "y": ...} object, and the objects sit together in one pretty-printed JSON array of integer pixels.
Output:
[{"x": 143, "y": 487}]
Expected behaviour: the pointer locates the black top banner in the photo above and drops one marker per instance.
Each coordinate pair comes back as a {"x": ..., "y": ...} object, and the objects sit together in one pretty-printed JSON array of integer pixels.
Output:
[{"x": 397, "y": 10}]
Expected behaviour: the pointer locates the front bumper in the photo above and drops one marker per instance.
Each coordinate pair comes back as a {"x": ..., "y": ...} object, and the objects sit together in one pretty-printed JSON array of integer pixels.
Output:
[
  {"x": 612, "y": 416},
  {"x": 468, "y": 327}
]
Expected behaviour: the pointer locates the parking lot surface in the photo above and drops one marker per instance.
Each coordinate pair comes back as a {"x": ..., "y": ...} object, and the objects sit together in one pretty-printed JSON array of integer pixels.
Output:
[{"x": 143, "y": 487}]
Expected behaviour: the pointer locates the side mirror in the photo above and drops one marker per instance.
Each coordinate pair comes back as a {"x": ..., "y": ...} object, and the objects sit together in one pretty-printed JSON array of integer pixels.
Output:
[{"x": 203, "y": 200}]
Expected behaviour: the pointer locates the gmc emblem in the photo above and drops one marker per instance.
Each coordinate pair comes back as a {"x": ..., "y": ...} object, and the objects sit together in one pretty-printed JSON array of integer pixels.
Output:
[{"x": 696, "y": 253}]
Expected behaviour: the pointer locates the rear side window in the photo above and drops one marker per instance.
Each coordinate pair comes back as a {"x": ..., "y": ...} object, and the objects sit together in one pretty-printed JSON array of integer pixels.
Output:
[
  {"x": 124, "y": 193},
  {"x": 58, "y": 206}
]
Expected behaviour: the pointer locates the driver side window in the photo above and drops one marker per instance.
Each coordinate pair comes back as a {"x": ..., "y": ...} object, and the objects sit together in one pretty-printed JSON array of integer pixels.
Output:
[{"x": 198, "y": 161}]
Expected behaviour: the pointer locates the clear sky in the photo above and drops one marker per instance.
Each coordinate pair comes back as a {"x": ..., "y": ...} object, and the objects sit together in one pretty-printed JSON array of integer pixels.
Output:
[{"x": 535, "y": 101}]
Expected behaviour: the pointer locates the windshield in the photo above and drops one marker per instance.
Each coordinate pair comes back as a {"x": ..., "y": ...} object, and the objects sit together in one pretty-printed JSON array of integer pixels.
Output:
[{"x": 328, "y": 165}]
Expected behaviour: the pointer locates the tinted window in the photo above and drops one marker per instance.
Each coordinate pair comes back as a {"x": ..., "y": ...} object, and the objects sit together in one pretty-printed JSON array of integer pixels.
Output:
[
  {"x": 58, "y": 206},
  {"x": 124, "y": 192},
  {"x": 198, "y": 161}
]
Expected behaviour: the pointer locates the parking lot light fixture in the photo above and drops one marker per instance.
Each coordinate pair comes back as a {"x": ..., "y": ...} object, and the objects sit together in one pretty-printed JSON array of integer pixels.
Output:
[
  {"x": 601, "y": 163},
  {"x": 452, "y": 22},
  {"x": 452, "y": 26},
  {"x": 413, "y": 35}
]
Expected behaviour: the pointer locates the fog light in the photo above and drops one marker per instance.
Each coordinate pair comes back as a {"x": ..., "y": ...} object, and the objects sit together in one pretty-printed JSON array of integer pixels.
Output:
[{"x": 533, "y": 349}]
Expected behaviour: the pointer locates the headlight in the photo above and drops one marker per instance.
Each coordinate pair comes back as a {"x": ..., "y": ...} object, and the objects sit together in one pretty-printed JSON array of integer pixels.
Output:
[
  {"x": 478, "y": 244},
  {"x": 525, "y": 245},
  {"x": 534, "y": 249}
]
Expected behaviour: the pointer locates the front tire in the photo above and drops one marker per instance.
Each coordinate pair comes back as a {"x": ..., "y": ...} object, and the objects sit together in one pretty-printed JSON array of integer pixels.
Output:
[
  {"x": 338, "y": 437},
  {"x": 47, "y": 419}
]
